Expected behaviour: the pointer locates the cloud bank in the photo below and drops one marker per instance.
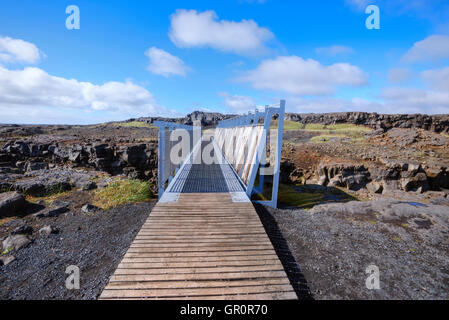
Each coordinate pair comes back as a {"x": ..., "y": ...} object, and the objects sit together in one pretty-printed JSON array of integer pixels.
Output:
[
  {"x": 298, "y": 76},
  {"x": 192, "y": 29}
]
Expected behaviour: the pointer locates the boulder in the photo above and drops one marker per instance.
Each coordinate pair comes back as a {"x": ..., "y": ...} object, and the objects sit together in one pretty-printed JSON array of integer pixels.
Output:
[
  {"x": 15, "y": 242},
  {"x": 47, "y": 230},
  {"x": 23, "y": 229},
  {"x": 89, "y": 208},
  {"x": 83, "y": 181},
  {"x": 56, "y": 208},
  {"x": 11, "y": 202},
  {"x": 415, "y": 183},
  {"x": 353, "y": 177},
  {"x": 45, "y": 181},
  {"x": 5, "y": 260},
  {"x": 354, "y": 182},
  {"x": 32, "y": 187},
  {"x": 33, "y": 166},
  {"x": 335, "y": 181},
  {"x": 90, "y": 185},
  {"x": 374, "y": 187},
  {"x": 390, "y": 185}
]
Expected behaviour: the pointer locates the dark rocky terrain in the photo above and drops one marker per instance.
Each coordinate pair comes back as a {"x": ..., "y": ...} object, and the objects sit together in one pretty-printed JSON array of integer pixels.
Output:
[
  {"x": 435, "y": 123},
  {"x": 95, "y": 243},
  {"x": 408, "y": 160},
  {"x": 396, "y": 169},
  {"x": 334, "y": 244}
]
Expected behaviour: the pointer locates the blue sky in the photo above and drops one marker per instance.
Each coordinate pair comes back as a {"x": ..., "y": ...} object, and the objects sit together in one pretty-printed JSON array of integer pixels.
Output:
[{"x": 148, "y": 58}]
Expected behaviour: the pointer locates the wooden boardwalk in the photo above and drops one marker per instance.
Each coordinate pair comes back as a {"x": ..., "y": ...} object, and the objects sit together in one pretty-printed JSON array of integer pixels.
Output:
[{"x": 204, "y": 246}]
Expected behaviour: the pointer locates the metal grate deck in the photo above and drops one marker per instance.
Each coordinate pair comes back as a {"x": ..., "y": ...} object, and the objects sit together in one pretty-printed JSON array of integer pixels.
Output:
[{"x": 206, "y": 178}]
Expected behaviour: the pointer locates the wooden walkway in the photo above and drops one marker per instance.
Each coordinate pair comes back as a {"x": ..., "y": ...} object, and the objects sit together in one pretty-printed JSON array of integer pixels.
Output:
[{"x": 204, "y": 246}]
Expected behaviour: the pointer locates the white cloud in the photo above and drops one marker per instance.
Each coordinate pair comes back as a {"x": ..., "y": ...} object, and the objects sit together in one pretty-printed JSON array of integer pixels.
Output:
[
  {"x": 33, "y": 88},
  {"x": 16, "y": 50},
  {"x": 395, "y": 100},
  {"x": 398, "y": 75},
  {"x": 410, "y": 100},
  {"x": 437, "y": 79},
  {"x": 432, "y": 48},
  {"x": 190, "y": 28},
  {"x": 165, "y": 64},
  {"x": 295, "y": 75},
  {"x": 238, "y": 104},
  {"x": 334, "y": 50}
]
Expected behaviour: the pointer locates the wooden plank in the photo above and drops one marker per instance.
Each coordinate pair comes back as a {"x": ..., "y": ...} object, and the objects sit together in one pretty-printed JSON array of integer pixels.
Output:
[
  {"x": 182, "y": 244},
  {"x": 202, "y": 247},
  {"x": 291, "y": 295},
  {"x": 199, "y": 264},
  {"x": 197, "y": 233},
  {"x": 179, "y": 292},
  {"x": 202, "y": 254},
  {"x": 210, "y": 241},
  {"x": 199, "y": 276},
  {"x": 197, "y": 270},
  {"x": 199, "y": 259},
  {"x": 145, "y": 248},
  {"x": 195, "y": 284}
]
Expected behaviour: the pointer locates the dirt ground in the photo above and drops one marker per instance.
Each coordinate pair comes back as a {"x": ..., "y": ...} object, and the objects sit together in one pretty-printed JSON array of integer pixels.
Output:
[
  {"x": 332, "y": 252},
  {"x": 94, "y": 242}
]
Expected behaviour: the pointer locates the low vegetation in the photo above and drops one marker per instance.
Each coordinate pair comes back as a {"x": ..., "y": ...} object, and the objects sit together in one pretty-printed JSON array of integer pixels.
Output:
[
  {"x": 48, "y": 198},
  {"x": 325, "y": 133},
  {"x": 134, "y": 124},
  {"x": 305, "y": 196},
  {"x": 121, "y": 192}
]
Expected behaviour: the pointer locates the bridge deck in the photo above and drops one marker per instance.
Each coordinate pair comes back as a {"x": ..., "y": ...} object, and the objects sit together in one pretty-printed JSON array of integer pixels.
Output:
[
  {"x": 202, "y": 240},
  {"x": 202, "y": 247}
]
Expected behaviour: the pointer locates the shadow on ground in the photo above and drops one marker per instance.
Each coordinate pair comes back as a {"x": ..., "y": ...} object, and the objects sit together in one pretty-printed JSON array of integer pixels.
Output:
[{"x": 280, "y": 245}]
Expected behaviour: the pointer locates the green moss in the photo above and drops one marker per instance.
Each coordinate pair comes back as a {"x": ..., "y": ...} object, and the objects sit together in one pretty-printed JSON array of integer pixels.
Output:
[
  {"x": 289, "y": 196},
  {"x": 293, "y": 125},
  {"x": 48, "y": 198},
  {"x": 7, "y": 251},
  {"x": 314, "y": 127},
  {"x": 347, "y": 127},
  {"x": 121, "y": 192},
  {"x": 305, "y": 196},
  {"x": 133, "y": 124}
]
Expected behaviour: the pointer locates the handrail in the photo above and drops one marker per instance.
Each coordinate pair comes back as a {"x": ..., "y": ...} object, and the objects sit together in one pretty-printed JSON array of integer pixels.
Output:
[
  {"x": 252, "y": 120},
  {"x": 162, "y": 173}
]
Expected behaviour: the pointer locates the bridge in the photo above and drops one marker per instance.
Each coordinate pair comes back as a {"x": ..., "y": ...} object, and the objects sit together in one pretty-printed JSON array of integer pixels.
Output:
[{"x": 204, "y": 239}]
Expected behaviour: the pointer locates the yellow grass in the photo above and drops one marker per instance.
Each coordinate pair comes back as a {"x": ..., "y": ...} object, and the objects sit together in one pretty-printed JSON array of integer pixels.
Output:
[
  {"x": 121, "y": 192},
  {"x": 133, "y": 124}
]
